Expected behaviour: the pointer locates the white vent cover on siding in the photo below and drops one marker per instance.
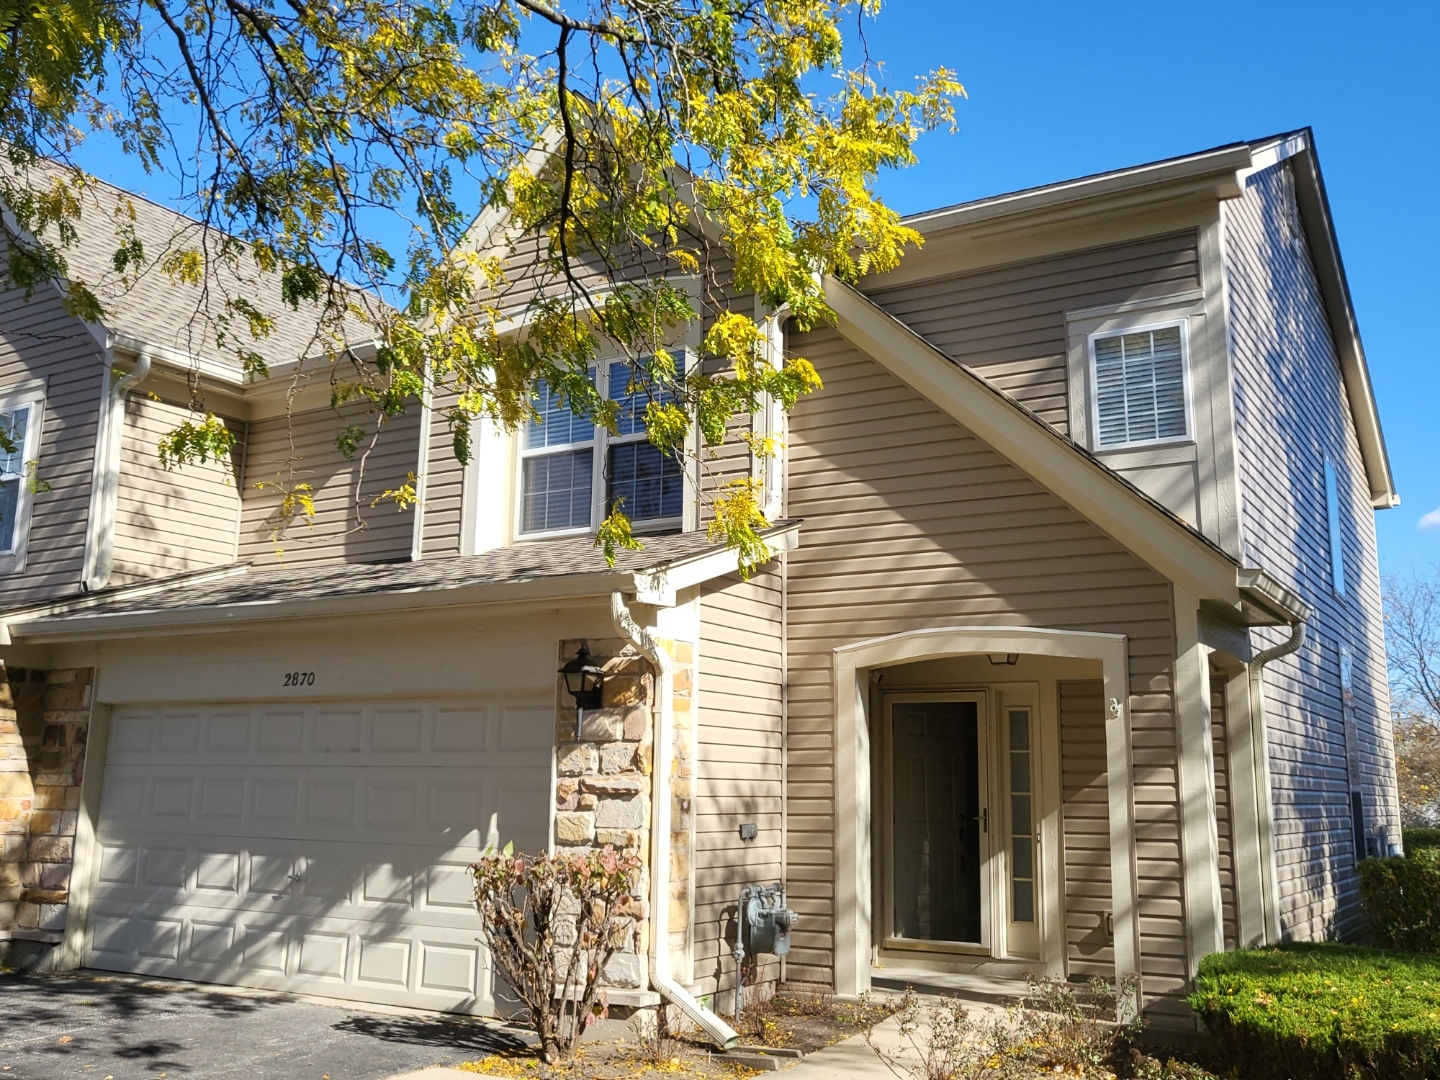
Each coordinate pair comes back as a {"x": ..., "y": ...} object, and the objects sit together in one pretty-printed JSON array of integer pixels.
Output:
[{"x": 1140, "y": 386}]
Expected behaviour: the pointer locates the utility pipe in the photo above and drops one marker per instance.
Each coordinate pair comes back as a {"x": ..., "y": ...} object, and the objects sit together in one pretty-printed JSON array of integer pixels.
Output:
[
  {"x": 720, "y": 1032},
  {"x": 105, "y": 490},
  {"x": 1260, "y": 754}
]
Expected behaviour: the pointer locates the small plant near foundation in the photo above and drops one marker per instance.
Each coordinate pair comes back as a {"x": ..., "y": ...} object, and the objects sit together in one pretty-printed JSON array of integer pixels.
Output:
[
  {"x": 1057, "y": 1028},
  {"x": 552, "y": 922}
]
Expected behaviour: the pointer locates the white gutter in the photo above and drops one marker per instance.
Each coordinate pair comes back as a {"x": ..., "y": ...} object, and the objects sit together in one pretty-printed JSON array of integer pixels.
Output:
[
  {"x": 720, "y": 1032},
  {"x": 105, "y": 482},
  {"x": 1260, "y": 750}
]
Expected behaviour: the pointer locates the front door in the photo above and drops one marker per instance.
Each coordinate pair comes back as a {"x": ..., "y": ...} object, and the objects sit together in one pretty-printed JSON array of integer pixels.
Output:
[{"x": 937, "y": 808}]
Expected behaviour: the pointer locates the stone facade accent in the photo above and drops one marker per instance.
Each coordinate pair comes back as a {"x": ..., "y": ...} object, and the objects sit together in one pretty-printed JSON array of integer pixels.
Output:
[
  {"x": 44, "y": 725},
  {"x": 603, "y": 762}
]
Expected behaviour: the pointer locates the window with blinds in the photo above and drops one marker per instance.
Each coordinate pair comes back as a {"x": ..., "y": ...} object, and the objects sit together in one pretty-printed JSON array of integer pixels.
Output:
[{"x": 1140, "y": 386}]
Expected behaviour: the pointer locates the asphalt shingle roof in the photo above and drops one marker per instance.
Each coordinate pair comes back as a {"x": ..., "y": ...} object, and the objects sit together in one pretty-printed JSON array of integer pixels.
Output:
[
  {"x": 152, "y": 306},
  {"x": 529, "y": 561}
]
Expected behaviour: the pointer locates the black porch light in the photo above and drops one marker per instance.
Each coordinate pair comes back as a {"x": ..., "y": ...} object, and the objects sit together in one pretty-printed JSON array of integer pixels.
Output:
[{"x": 584, "y": 681}]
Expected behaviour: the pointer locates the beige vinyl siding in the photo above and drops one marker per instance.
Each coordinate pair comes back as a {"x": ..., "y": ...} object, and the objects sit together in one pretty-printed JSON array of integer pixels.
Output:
[
  {"x": 444, "y": 487},
  {"x": 1291, "y": 413},
  {"x": 171, "y": 522},
  {"x": 740, "y": 764},
  {"x": 1220, "y": 739},
  {"x": 306, "y": 443},
  {"x": 1008, "y": 322},
  {"x": 40, "y": 340},
  {"x": 911, "y": 522},
  {"x": 1085, "y": 829}
]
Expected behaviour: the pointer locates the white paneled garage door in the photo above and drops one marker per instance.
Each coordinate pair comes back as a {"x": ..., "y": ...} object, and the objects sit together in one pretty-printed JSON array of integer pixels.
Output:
[{"x": 319, "y": 849}]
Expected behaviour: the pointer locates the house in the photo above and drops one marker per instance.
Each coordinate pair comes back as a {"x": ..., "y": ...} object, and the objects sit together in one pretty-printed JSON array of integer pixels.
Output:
[{"x": 1070, "y": 659}]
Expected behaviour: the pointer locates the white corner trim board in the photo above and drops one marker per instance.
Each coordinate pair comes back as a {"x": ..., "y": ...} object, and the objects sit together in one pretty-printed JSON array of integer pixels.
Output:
[{"x": 852, "y": 665}]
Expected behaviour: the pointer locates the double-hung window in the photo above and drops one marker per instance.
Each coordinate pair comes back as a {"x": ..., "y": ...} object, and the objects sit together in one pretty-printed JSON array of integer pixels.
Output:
[
  {"x": 1140, "y": 384},
  {"x": 572, "y": 474},
  {"x": 19, "y": 447}
]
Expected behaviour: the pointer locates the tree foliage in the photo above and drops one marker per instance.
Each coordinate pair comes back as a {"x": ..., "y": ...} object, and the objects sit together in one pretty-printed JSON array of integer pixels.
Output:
[
  {"x": 1412, "y": 639},
  {"x": 699, "y": 153}
]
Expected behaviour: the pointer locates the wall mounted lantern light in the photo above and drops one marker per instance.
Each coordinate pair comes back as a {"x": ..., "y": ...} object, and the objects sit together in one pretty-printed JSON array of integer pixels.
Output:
[
  {"x": 584, "y": 681},
  {"x": 1004, "y": 659}
]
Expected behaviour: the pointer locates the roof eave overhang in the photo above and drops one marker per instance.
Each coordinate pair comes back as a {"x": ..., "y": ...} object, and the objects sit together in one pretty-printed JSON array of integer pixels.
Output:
[
  {"x": 1101, "y": 496},
  {"x": 1314, "y": 206},
  {"x": 658, "y": 585},
  {"x": 1213, "y": 172}
]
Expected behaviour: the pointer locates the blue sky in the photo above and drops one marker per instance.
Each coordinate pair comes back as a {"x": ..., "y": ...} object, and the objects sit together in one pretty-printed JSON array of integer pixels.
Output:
[{"x": 1065, "y": 89}]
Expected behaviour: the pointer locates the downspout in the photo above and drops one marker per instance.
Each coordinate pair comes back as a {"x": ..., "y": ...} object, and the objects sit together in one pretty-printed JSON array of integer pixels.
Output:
[
  {"x": 720, "y": 1032},
  {"x": 105, "y": 486},
  {"x": 1260, "y": 750}
]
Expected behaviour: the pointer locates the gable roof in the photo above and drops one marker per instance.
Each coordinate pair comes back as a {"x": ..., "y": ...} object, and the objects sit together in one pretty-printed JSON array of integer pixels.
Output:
[
  {"x": 565, "y": 568},
  {"x": 1219, "y": 172},
  {"x": 1097, "y": 492},
  {"x": 151, "y": 310}
]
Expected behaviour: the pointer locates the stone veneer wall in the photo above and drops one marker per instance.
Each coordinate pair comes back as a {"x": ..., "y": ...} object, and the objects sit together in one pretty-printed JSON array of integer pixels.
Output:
[
  {"x": 604, "y": 764},
  {"x": 44, "y": 724}
]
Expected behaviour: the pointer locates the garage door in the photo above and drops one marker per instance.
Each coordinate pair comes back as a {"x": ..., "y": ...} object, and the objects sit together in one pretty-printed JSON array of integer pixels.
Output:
[{"x": 318, "y": 849}]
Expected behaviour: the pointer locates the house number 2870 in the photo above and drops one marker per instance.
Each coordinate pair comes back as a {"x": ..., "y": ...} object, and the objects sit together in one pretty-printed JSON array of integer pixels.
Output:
[{"x": 300, "y": 678}]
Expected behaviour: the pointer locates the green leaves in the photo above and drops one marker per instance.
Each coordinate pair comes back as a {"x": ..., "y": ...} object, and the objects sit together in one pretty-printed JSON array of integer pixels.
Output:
[{"x": 648, "y": 176}]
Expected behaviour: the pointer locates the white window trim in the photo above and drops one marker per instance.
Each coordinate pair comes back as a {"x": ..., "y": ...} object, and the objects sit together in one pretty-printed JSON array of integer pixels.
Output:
[
  {"x": 29, "y": 395},
  {"x": 599, "y": 444},
  {"x": 1093, "y": 394}
]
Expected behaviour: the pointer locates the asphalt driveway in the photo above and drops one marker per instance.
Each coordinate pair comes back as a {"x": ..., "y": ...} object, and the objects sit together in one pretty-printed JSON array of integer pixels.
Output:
[{"x": 92, "y": 1027}]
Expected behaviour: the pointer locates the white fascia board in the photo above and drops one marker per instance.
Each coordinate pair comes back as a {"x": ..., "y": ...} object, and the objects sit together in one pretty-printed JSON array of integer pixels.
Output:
[
  {"x": 219, "y": 372},
  {"x": 1219, "y": 162},
  {"x": 1091, "y": 489},
  {"x": 1314, "y": 206},
  {"x": 660, "y": 586},
  {"x": 223, "y": 618},
  {"x": 657, "y": 586}
]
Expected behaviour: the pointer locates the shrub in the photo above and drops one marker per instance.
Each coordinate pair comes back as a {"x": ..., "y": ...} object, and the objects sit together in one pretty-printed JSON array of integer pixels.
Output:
[
  {"x": 1306, "y": 1012},
  {"x": 552, "y": 922},
  {"x": 1422, "y": 843},
  {"x": 1402, "y": 903}
]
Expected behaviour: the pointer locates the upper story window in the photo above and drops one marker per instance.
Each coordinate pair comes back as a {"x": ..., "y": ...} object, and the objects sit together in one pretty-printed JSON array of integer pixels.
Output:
[
  {"x": 1337, "y": 537},
  {"x": 572, "y": 474},
  {"x": 1141, "y": 387},
  {"x": 19, "y": 450}
]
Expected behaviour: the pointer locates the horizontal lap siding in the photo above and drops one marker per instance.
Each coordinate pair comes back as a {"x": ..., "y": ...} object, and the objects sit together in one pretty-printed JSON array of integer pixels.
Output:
[
  {"x": 911, "y": 522},
  {"x": 1008, "y": 323},
  {"x": 740, "y": 763},
  {"x": 1085, "y": 827},
  {"x": 40, "y": 340},
  {"x": 306, "y": 444},
  {"x": 444, "y": 487},
  {"x": 168, "y": 522},
  {"x": 1291, "y": 412}
]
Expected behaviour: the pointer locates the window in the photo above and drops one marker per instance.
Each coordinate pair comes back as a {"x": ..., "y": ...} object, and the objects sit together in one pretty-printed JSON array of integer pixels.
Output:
[
  {"x": 19, "y": 426},
  {"x": 1332, "y": 516},
  {"x": 1022, "y": 820},
  {"x": 572, "y": 473},
  {"x": 1140, "y": 386}
]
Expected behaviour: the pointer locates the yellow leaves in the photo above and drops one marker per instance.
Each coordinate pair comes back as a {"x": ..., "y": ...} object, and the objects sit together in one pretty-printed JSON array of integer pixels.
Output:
[
  {"x": 403, "y": 497},
  {"x": 184, "y": 265},
  {"x": 738, "y": 520},
  {"x": 737, "y": 338}
]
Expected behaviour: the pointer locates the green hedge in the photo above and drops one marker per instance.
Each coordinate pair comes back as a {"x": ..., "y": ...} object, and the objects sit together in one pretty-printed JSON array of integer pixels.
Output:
[
  {"x": 1422, "y": 842},
  {"x": 1313, "y": 1012},
  {"x": 1402, "y": 903}
]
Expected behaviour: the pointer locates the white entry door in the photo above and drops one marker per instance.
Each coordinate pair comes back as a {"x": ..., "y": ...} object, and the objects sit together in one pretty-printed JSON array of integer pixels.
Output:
[{"x": 319, "y": 849}]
